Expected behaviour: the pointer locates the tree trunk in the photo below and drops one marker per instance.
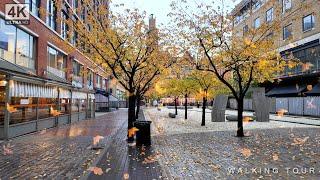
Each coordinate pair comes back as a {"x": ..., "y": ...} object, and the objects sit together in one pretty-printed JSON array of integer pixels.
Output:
[
  {"x": 175, "y": 105},
  {"x": 131, "y": 114},
  {"x": 138, "y": 106},
  {"x": 186, "y": 106},
  {"x": 240, "y": 117},
  {"x": 204, "y": 102}
]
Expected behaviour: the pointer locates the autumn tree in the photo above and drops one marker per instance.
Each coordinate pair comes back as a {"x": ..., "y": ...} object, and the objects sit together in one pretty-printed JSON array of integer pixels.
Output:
[
  {"x": 236, "y": 58},
  {"x": 207, "y": 86},
  {"x": 170, "y": 88},
  {"x": 124, "y": 45}
]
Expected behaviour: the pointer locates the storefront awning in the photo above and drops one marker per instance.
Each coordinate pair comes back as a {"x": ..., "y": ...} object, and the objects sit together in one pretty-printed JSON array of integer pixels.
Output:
[
  {"x": 315, "y": 91},
  {"x": 286, "y": 90}
]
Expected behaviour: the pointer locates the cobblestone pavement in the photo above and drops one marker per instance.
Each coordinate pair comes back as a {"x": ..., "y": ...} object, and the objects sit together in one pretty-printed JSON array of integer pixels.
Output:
[
  {"x": 280, "y": 151},
  {"x": 60, "y": 153},
  {"x": 122, "y": 161}
]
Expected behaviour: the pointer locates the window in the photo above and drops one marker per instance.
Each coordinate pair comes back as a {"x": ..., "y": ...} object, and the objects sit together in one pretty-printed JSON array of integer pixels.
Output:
[
  {"x": 269, "y": 15},
  {"x": 287, "y": 32},
  {"x": 286, "y": 4},
  {"x": 52, "y": 12},
  {"x": 256, "y": 5},
  {"x": 308, "y": 22},
  {"x": 74, "y": 38},
  {"x": 17, "y": 46},
  {"x": 245, "y": 29},
  {"x": 33, "y": 6},
  {"x": 77, "y": 68},
  {"x": 90, "y": 79},
  {"x": 74, "y": 3},
  {"x": 64, "y": 26},
  {"x": 56, "y": 62},
  {"x": 98, "y": 81},
  {"x": 256, "y": 23}
]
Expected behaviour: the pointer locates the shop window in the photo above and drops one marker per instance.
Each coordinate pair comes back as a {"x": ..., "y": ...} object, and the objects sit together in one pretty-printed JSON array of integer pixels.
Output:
[
  {"x": 64, "y": 106},
  {"x": 75, "y": 105},
  {"x": 25, "y": 109},
  {"x": 17, "y": 46},
  {"x": 2, "y": 103},
  {"x": 45, "y": 107},
  {"x": 82, "y": 105}
]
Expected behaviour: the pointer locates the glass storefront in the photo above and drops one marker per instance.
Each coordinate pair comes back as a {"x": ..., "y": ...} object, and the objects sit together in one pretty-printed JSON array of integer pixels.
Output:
[
  {"x": 64, "y": 98},
  {"x": 79, "y": 102},
  {"x": 2, "y": 98},
  {"x": 26, "y": 98}
]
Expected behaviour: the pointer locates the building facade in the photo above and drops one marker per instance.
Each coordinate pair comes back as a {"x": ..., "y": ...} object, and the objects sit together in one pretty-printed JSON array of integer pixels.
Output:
[
  {"x": 43, "y": 83},
  {"x": 300, "y": 34}
]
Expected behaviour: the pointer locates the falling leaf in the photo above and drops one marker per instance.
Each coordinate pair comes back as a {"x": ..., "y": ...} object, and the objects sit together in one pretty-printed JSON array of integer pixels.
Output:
[
  {"x": 11, "y": 109},
  {"x": 132, "y": 131},
  {"x": 7, "y": 149},
  {"x": 125, "y": 176},
  {"x": 299, "y": 141},
  {"x": 96, "y": 170},
  {"x": 275, "y": 157},
  {"x": 54, "y": 112},
  {"x": 97, "y": 139},
  {"x": 281, "y": 112},
  {"x": 246, "y": 152}
]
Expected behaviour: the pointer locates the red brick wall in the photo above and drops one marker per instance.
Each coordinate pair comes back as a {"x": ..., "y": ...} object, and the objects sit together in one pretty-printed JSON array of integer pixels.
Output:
[{"x": 47, "y": 35}]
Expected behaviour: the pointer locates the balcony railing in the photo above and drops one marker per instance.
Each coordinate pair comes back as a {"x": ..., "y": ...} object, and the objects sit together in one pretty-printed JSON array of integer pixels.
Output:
[
  {"x": 77, "y": 81},
  {"x": 57, "y": 72}
]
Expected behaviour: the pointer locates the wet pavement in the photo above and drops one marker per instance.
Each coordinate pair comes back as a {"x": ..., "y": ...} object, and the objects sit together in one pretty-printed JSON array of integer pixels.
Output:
[
  {"x": 60, "y": 153},
  {"x": 282, "y": 151}
]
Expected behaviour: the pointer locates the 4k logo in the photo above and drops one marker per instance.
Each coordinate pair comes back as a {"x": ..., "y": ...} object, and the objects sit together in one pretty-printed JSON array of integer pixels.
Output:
[{"x": 17, "y": 14}]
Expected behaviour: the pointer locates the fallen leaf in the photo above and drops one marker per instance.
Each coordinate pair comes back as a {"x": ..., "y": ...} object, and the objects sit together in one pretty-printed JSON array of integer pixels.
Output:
[
  {"x": 11, "y": 109},
  {"x": 132, "y": 131},
  {"x": 7, "y": 149},
  {"x": 54, "y": 112},
  {"x": 97, "y": 139},
  {"x": 246, "y": 152},
  {"x": 125, "y": 176},
  {"x": 96, "y": 170},
  {"x": 299, "y": 141},
  {"x": 275, "y": 157}
]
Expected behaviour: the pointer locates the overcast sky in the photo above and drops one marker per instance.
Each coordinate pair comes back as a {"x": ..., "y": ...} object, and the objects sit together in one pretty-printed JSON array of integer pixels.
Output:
[{"x": 160, "y": 8}]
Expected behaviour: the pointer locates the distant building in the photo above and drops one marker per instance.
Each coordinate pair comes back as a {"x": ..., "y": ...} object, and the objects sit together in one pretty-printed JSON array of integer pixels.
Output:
[{"x": 300, "y": 38}]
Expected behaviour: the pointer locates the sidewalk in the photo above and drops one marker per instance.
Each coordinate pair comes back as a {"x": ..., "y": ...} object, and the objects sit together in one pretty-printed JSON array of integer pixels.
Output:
[
  {"x": 272, "y": 150},
  {"x": 60, "y": 153}
]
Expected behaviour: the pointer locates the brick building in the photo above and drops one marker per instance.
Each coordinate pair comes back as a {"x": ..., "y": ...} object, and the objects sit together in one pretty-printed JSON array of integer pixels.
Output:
[
  {"x": 40, "y": 75},
  {"x": 300, "y": 30}
]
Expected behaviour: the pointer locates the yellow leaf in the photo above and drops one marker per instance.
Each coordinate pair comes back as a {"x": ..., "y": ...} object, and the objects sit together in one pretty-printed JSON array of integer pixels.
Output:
[{"x": 132, "y": 131}]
